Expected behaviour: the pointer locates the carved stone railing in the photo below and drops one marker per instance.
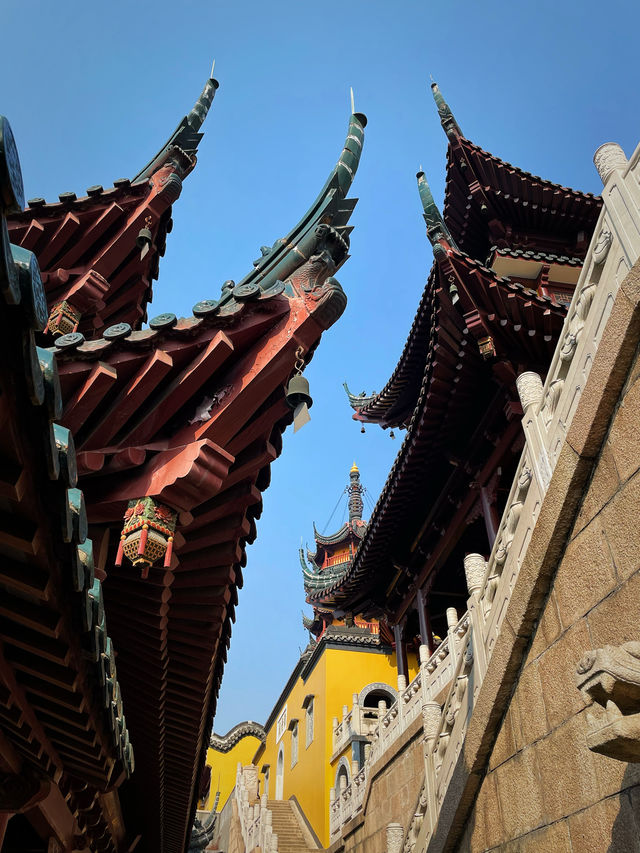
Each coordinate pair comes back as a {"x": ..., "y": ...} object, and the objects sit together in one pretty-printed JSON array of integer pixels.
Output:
[
  {"x": 359, "y": 721},
  {"x": 436, "y": 671},
  {"x": 548, "y": 412},
  {"x": 256, "y": 820}
]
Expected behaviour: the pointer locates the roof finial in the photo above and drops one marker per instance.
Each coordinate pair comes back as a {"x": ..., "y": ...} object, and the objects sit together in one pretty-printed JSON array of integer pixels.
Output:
[
  {"x": 353, "y": 103},
  {"x": 436, "y": 227},
  {"x": 201, "y": 107},
  {"x": 354, "y": 488},
  {"x": 448, "y": 122}
]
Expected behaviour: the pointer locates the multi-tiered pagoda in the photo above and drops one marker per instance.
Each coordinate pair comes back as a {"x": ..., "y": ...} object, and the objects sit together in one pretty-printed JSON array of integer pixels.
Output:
[
  {"x": 508, "y": 249},
  {"x": 322, "y": 567}
]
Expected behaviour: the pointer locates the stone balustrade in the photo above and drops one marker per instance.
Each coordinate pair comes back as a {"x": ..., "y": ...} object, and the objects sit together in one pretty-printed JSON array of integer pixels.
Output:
[
  {"x": 435, "y": 672},
  {"x": 548, "y": 409},
  {"x": 361, "y": 722},
  {"x": 256, "y": 820}
]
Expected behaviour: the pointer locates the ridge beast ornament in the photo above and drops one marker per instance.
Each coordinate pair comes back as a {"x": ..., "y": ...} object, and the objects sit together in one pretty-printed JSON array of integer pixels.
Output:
[{"x": 147, "y": 534}]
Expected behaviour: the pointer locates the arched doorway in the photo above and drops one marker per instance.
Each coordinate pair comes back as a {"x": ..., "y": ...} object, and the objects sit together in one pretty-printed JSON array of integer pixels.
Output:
[{"x": 280, "y": 773}]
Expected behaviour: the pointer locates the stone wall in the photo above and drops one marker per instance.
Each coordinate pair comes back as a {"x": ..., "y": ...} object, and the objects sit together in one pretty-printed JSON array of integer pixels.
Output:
[
  {"x": 544, "y": 789},
  {"x": 391, "y": 797}
]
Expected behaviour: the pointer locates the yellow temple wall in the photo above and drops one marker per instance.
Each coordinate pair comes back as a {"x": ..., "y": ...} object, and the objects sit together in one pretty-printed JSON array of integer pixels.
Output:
[
  {"x": 338, "y": 674},
  {"x": 224, "y": 766}
]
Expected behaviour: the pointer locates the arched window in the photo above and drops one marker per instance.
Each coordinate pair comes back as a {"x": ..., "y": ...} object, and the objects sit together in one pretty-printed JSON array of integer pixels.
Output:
[
  {"x": 377, "y": 692},
  {"x": 343, "y": 775},
  {"x": 309, "y": 721},
  {"x": 280, "y": 773},
  {"x": 294, "y": 744}
]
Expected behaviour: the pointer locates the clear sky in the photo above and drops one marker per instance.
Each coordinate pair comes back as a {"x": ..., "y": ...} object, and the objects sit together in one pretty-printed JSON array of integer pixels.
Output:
[{"x": 93, "y": 89}]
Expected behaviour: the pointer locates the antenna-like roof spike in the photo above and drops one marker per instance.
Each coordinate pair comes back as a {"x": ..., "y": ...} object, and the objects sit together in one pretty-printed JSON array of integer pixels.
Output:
[
  {"x": 353, "y": 103},
  {"x": 436, "y": 227},
  {"x": 448, "y": 122},
  {"x": 213, "y": 65}
]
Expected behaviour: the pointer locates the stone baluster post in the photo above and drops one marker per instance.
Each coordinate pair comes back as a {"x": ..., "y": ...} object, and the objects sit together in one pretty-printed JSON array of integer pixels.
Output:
[
  {"x": 530, "y": 390},
  {"x": 356, "y": 728},
  {"x": 274, "y": 842},
  {"x": 621, "y": 196},
  {"x": 431, "y": 714},
  {"x": 268, "y": 832},
  {"x": 382, "y": 710},
  {"x": 452, "y": 621},
  {"x": 423, "y": 653},
  {"x": 395, "y": 837},
  {"x": 475, "y": 569}
]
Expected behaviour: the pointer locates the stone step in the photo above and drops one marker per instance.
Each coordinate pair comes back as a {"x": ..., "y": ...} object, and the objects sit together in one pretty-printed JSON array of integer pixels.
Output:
[{"x": 285, "y": 825}]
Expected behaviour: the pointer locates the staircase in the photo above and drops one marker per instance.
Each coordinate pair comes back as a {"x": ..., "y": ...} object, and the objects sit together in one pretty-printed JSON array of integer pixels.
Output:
[{"x": 285, "y": 825}]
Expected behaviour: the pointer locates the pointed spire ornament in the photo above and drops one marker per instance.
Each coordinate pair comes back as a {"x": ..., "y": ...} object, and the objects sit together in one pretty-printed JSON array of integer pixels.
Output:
[
  {"x": 436, "y": 228},
  {"x": 353, "y": 103},
  {"x": 447, "y": 120}
]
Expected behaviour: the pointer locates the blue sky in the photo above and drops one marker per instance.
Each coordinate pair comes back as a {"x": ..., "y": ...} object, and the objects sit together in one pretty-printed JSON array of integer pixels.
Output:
[{"x": 93, "y": 89}]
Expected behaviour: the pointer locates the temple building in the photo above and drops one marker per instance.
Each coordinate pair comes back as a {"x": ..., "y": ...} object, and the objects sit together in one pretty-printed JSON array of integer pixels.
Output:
[
  {"x": 505, "y": 536},
  {"x": 324, "y": 724},
  {"x": 135, "y": 458}
]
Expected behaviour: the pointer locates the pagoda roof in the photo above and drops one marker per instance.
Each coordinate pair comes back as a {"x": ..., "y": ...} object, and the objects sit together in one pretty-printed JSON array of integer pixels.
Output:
[
  {"x": 485, "y": 195},
  {"x": 516, "y": 316},
  {"x": 88, "y": 248},
  {"x": 543, "y": 221},
  {"x": 192, "y": 412},
  {"x": 356, "y": 528}
]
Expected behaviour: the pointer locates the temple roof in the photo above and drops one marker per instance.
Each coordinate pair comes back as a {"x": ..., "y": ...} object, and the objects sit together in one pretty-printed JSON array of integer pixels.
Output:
[
  {"x": 487, "y": 198},
  {"x": 101, "y": 253},
  {"x": 560, "y": 221},
  {"x": 192, "y": 412}
]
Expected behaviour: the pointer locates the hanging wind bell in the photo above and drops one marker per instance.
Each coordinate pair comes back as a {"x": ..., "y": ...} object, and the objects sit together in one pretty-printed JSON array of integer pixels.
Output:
[
  {"x": 147, "y": 534},
  {"x": 297, "y": 394}
]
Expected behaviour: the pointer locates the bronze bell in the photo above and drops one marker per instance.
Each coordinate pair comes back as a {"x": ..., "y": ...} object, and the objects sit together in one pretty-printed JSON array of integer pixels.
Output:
[
  {"x": 144, "y": 238},
  {"x": 298, "y": 392}
]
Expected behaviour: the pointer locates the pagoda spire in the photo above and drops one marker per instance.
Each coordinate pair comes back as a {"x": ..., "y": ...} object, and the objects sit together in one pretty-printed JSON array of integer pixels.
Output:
[
  {"x": 436, "y": 227},
  {"x": 355, "y": 494},
  {"x": 447, "y": 120}
]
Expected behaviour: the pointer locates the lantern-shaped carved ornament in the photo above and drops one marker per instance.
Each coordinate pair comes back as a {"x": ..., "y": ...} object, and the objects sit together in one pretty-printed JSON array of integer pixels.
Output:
[
  {"x": 147, "y": 535},
  {"x": 63, "y": 319}
]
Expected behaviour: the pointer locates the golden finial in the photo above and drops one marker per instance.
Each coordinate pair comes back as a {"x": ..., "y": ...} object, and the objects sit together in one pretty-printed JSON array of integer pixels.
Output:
[{"x": 354, "y": 468}]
